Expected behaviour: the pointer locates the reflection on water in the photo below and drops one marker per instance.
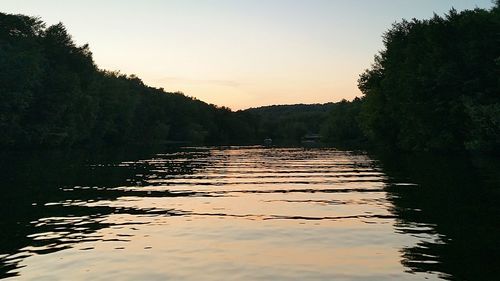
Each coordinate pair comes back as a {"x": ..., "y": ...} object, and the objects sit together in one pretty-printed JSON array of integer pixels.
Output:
[
  {"x": 458, "y": 200},
  {"x": 247, "y": 213}
]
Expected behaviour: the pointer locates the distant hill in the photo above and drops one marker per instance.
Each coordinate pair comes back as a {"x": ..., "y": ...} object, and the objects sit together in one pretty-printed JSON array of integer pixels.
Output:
[
  {"x": 291, "y": 108},
  {"x": 289, "y": 123}
]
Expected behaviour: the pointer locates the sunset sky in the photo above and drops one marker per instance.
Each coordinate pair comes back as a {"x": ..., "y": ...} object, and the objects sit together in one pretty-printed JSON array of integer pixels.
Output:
[{"x": 238, "y": 53}]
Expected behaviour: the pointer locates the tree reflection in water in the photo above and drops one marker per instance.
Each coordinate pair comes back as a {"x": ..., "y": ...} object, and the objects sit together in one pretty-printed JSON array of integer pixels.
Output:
[
  {"x": 456, "y": 197},
  {"x": 34, "y": 180}
]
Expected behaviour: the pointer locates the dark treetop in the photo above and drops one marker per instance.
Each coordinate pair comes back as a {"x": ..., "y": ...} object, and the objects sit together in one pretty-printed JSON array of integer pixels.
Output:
[{"x": 436, "y": 84}]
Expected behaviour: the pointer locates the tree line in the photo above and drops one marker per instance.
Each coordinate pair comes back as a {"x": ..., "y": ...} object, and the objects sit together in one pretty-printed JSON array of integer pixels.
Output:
[
  {"x": 434, "y": 87},
  {"x": 52, "y": 94},
  {"x": 288, "y": 124}
]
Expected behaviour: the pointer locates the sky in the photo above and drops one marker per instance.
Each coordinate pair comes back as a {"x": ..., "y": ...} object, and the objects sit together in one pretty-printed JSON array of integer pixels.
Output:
[{"x": 237, "y": 53}]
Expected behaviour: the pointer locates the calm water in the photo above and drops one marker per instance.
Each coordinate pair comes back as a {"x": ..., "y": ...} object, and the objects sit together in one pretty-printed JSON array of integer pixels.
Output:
[{"x": 248, "y": 213}]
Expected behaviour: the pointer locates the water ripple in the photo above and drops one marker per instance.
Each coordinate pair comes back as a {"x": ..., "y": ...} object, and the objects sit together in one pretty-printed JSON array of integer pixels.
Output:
[{"x": 323, "y": 212}]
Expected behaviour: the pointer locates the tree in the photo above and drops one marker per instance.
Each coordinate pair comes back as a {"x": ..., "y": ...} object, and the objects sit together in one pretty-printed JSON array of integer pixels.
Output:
[{"x": 435, "y": 85}]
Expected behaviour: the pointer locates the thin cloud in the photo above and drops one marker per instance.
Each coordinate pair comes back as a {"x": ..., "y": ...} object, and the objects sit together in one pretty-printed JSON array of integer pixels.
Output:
[{"x": 189, "y": 81}]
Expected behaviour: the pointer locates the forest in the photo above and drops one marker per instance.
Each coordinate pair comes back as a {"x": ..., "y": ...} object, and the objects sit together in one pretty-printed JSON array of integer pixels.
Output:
[
  {"x": 434, "y": 87},
  {"x": 288, "y": 124},
  {"x": 52, "y": 94}
]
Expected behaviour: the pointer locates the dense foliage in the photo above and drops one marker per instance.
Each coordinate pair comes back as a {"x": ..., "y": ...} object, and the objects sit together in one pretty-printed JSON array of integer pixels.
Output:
[
  {"x": 435, "y": 86},
  {"x": 289, "y": 123},
  {"x": 342, "y": 127},
  {"x": 52, "y": 94}
]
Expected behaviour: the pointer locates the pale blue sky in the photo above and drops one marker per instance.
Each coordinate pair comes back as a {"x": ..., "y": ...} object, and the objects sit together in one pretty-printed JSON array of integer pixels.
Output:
[{"x": 238, "y": 53}]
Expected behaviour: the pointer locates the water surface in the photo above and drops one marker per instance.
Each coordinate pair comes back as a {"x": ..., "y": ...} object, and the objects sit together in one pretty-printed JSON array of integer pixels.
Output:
[{"x": 247, "y": 213}]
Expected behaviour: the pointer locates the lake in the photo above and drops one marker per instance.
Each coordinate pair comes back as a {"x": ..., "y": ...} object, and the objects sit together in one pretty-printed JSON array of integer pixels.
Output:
[{"x": 248, "y": 213}]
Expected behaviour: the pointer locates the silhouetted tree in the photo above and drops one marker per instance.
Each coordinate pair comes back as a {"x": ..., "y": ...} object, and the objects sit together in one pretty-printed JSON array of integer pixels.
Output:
[
  {"x": 52, "y": 94},
  {"x": 435, "y": 86}
]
